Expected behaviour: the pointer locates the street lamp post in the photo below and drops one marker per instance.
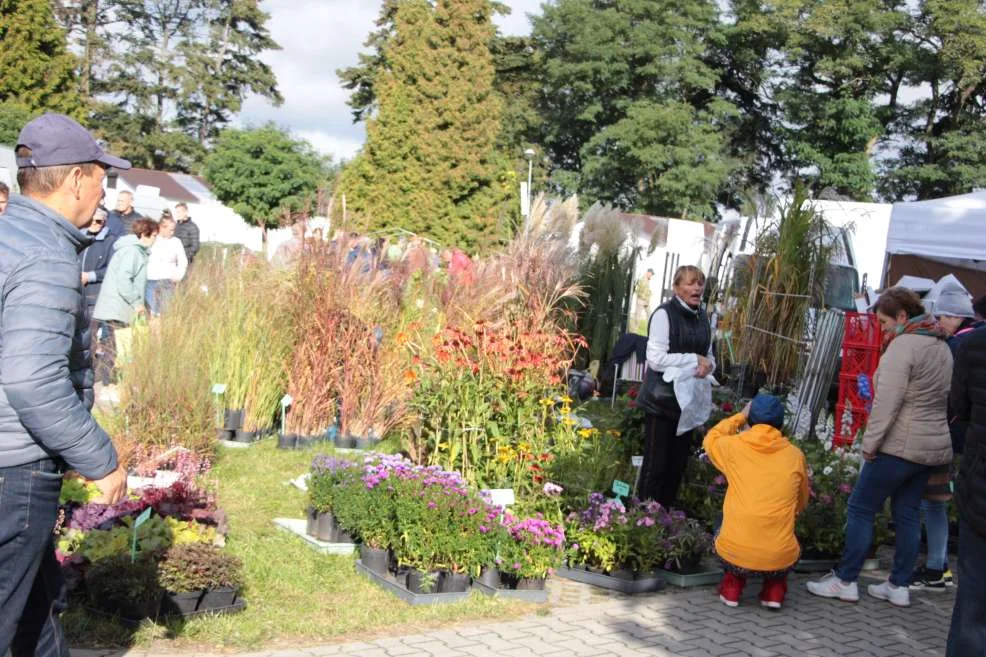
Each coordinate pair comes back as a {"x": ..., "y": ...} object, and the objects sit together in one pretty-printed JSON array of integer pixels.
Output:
[{"x": 529, "y": 156}]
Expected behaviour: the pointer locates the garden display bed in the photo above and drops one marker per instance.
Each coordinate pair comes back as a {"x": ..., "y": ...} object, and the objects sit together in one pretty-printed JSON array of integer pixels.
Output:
[
  {"x": 298, "y": 526},
  {"x": 629, "y": 586},
  {"x": 539, "y": 596},
  {"x": 236, "y": 607},
  {"x": 390, "y": 583},
  {"x": 704, "y": 574}
]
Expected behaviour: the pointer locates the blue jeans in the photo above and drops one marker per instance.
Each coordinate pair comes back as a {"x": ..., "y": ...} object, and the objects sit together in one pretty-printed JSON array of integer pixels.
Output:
[
  {"x": 32, "y": 592},
  {"x": 157, "y": 294},
  {"x": 903, "y": 482},
  {"x": 936, "y": 526},
  {"x": 968, "y": 633}
]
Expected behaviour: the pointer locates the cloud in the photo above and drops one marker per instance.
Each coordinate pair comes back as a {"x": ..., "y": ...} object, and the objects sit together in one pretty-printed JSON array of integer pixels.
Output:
[{"x": 317, "y": 37}]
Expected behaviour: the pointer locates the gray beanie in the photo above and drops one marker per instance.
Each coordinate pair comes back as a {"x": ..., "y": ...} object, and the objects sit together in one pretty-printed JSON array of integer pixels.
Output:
[{"x": 952, "y": 300}]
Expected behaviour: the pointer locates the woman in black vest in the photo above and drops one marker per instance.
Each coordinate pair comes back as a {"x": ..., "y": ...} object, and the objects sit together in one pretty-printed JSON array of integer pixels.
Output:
[{"x": 678, "y": 335}]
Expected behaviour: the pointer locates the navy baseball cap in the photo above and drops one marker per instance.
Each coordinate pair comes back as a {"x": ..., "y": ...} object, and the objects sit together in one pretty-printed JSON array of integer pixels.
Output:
[
  {"x": 766, "y": 409},
  {"x": 55, "y": 140}
]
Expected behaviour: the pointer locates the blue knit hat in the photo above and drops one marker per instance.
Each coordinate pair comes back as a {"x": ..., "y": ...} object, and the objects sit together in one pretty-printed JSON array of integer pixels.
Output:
[{"x": 767, "y": 409}]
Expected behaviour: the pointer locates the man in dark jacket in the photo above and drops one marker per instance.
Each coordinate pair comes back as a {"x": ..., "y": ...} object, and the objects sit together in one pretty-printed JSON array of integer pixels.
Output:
[
  {"x": 968, "y": 401},
  {"x": 122, "y": 218},
  {"x": 186, "y": 231},
  {"x": 94, "y": 260},
  {"x": 45, "y": 374}
]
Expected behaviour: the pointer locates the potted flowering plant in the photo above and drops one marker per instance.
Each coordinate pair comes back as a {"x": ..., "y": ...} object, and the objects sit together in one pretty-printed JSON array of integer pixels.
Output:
[
  {"x": 535, "y": 551},
  {"x": 124, "y": 586},
  {"x": 687, "y": 542},
  {"x": 199, "y": 576},
  {"x": 324, "y": 484}
]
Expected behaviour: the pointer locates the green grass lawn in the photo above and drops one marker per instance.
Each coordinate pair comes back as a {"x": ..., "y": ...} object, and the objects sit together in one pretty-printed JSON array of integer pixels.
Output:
[{"x": 296, "y": 596}]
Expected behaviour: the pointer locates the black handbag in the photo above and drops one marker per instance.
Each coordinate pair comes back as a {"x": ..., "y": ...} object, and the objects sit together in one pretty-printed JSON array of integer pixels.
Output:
[{"x": 656, "y": 396}]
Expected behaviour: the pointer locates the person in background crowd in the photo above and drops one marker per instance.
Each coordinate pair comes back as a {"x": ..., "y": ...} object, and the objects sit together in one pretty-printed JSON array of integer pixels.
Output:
[
  {"x": 288, "y": 252},
  {"x": 166, "y": 266},
  {"x": 956, "y": 316},
  {"x": 642, "y": 297},
  {"x": 906, "y": 436},
  {"x": 121, "y": 299},
  {"x": 95, "y": 259},
  {"x": 460, "y": 267},
  {"x": 187, "y": 231},
  {"x": 4, "y": 196},
  {"x": 679, "y": 336},
  {"x": 967, "y": 636},
  {"x": 45, "y": 374},
  {"x": 768, "y": 488},
  {"x": 416, "y": 257},
  {"x": 979, "y": 307},
  {"x": 122, "y": 218}
]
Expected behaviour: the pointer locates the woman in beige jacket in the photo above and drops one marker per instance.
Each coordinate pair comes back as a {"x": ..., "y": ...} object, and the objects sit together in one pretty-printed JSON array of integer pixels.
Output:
[{"x": 907, "y": 434}]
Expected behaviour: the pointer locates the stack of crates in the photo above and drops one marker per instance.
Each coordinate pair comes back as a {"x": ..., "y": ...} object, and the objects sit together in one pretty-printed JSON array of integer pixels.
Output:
[{"x": 860, "y": 355}]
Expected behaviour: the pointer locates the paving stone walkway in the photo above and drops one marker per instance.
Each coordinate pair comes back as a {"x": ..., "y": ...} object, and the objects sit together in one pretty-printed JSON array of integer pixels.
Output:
[{"x": 583, "y": 621}]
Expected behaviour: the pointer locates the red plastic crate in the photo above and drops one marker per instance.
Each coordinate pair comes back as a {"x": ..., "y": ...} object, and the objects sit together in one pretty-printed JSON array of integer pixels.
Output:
[
  {"x": 862, "y": 330},
  {"x": 857, "y": 360}
]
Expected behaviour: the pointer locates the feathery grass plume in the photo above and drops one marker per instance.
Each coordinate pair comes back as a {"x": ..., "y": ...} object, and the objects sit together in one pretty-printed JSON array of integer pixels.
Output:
[{"x": 788, "y": 270}]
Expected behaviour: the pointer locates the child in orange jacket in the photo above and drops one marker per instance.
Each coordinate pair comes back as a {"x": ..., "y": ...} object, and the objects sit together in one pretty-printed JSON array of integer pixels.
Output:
[{"x": 768, "y": 488}]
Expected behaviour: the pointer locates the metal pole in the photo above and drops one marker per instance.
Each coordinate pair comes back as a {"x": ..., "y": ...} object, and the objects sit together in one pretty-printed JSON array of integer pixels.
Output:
[{"x": 527, "y": 219}]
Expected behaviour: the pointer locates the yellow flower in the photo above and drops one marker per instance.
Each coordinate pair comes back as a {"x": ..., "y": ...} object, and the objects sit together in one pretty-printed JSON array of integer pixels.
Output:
[
  {"x": 613, "y": 432},
  {"x": 524, "y": 447},
  {"x": 442, "y": 446},
  {"x": 547, "y": 402},
  {"x": 588, "y": 433},
  {"x": 569, "y": 422},
  {"x": 566, "y": 400}
]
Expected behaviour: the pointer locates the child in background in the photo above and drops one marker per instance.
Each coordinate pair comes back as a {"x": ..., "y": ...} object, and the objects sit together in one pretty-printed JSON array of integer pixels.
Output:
[{"x": 768, "y": 488}]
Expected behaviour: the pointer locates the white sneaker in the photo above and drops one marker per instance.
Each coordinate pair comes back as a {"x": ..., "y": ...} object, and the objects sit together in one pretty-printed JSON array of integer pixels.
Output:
[
  {"x": 895, "y": 595},
  {"x": 831, "y": 586}
]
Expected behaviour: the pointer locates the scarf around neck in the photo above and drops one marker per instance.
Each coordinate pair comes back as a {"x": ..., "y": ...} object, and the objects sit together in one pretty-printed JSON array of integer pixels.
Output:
[{"x": 920, "y": 325}]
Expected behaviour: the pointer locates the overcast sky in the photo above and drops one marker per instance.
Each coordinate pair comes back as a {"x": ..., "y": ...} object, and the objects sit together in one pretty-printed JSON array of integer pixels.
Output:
[{"x": 317, "y": 37}]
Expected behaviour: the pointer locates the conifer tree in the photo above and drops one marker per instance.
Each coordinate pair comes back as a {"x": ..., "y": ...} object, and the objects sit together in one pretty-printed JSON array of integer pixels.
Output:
[
  {"x": 429, "y": 164},
  {"x": 37, "y": 70}
]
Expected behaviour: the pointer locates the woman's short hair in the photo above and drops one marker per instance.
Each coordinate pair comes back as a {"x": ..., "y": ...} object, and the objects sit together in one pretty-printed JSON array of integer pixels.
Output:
[
  {"x": 896, "y": 299},
  {"x": 689, "y": 272},
  {"x": 145, "y": 227}
]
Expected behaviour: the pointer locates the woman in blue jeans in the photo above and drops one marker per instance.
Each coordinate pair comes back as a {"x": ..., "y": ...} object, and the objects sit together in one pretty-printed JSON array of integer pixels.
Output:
[{"x": 906, "y": 436}]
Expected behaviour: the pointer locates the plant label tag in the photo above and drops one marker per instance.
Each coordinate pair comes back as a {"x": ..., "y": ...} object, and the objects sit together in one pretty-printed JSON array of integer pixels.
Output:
[
  {"x": 621, "y": 488},
  {"x": 286, "y": 400},
  {"x": 142, "y": 518},
  {"x": 218, "y": 388},
  {"x": 637, "y": 460},
  {"x": 502, "y": 496}
]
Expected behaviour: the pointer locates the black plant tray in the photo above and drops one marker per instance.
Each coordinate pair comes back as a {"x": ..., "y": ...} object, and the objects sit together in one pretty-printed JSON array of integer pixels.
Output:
[
  {"x": 537, "y": 596},
  {"x": 236, "y": 607},
  {"x": 390, "y": 583},
  {"x": 629, "y": 586}
]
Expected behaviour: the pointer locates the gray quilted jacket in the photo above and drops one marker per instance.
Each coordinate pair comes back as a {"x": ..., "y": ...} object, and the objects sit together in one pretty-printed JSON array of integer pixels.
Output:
[{"x": 45, "y": 370}]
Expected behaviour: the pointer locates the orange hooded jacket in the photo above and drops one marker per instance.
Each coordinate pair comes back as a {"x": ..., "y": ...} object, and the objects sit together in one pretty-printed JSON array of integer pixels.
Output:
[{"x": 768, "y": 488}]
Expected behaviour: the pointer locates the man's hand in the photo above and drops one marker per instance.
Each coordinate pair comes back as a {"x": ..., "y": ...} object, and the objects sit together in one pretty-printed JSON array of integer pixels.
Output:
[
  {"x": 746, "y": 410},
  {"x": 85, "y": 278},
  {"x": 704, "y": 367},
  {"x": 140, "y": 311},
  {"x": 112, "y": 487},
  {"x": 869, "y": 456}
]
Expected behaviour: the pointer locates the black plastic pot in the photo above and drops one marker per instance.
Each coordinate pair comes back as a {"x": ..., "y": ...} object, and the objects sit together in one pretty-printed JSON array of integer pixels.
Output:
[
  {"x": 138, "y": 610},
  {"x": 225, "y": 434},
  {"x": 243, "y": 436},
  {"x": 421, "y": 582},
  {"x": 311, "y": 521},
  {"x": 304, "y": 442},
  {"x": 183, "y": 604},
  {"x": 345, "y": 442},
  {"x": 218, "y": 598},
  {"x": 233, "y": 419},
  {"x": 523, "y": 583},
  {"x": 287, "y": 441},
  {"x": 340, "y": 535},
  {"x": 449, "y": 582},
  {"x": 490, "y": 577},
  {"x": 325, "y": 527},
  {"x": 374, "y": 558},
  {"x": 364, "y": 443}
]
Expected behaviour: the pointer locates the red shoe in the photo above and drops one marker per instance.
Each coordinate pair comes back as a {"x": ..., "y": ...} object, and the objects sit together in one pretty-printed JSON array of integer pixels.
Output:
[
  {"x": 773, "y": 592},
  {"x": 731, "y": 589}
]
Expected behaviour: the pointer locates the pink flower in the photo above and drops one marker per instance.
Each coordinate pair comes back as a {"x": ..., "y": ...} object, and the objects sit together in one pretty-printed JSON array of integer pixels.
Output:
[
  {"x": 552, "y": 490},
  {"x": 719, "y": 480},
  {"x": 845, "y": 488}
]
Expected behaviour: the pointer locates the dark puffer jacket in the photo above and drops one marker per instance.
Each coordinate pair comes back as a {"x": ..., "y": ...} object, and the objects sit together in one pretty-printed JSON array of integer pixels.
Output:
[
  {"x": 968, "y": 399},
  {"x": 45, "y": 371}
]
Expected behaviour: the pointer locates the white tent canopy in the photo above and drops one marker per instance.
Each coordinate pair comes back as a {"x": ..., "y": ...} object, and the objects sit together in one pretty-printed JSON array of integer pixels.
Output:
[{"x": 947, "y": 229}]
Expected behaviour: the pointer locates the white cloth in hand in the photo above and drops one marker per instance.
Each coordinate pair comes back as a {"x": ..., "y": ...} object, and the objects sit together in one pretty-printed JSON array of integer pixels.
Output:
[{"x": 694, "y": 395}]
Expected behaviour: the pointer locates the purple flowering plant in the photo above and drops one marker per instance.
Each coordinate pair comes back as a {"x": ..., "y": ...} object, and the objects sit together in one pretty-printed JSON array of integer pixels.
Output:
[
  {"x": 324, "y": 481},
  {"x": 536, "y": 547}
]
